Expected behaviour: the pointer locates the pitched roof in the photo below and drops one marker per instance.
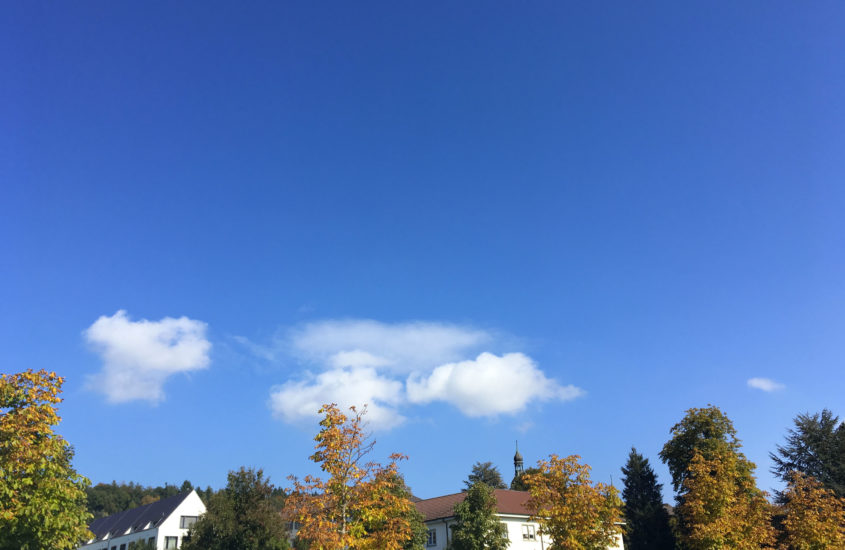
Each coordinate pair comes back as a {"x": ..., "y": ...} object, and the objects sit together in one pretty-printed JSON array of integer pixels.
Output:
[
  {"x": 507, "y": 502},
  {"x": 137, "y": 518}
]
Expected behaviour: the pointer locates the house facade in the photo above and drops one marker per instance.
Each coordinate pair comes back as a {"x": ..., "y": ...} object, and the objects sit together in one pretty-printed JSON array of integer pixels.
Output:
[
  {"x": 522, "y": 533},
  {"x": 164, "y": 522}
]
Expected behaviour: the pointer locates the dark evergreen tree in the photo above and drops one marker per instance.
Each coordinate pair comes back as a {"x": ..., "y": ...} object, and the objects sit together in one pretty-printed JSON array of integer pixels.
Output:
[
  {"x": 477, "y": 527},
  {"x": 815, "y": 447},
  {"x": 244, "y": 515},
  {"x": 485, "y": 472},
  {"x": 646, "y": 520},
  {"x": 518, "y": 482}
]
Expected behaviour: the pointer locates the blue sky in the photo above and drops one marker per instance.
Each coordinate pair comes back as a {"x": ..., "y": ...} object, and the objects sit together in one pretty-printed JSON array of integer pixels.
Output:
[{"x": 559, "y": 223}]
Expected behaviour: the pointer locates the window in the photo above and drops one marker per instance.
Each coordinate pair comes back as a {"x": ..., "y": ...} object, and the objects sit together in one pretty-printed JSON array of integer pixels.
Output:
[
  {"x": 528, "y": 532},
  {"x": 185, "y": 522},
  {"x": 122, "y": 547},
  {"x": 432, "y": 538},
  {"x": 505, "y": 530},
  {"x": 171, "y": 542},
  {"x": 152, "y": 541}
]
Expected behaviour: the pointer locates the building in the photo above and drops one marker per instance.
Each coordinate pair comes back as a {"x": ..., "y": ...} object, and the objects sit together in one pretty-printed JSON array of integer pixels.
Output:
[
  {"x": 164, "y": 522},
  {"x": 439, "y": 517},
  {"x": 523, "y": 534}
]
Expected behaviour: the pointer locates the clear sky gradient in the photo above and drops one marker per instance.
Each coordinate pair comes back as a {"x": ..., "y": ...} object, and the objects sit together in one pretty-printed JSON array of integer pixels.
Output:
[{"x": 564, "y": 223}]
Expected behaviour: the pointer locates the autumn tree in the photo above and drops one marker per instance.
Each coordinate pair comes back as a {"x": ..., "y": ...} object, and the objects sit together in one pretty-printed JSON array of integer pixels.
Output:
[
  {"x": 477, "y": 527},
  {"x": 646, "y": 520},
  {"x": 485, "y": 472},
  {"x": 814, "y": 447},
  {"x": 42, "y": 498},
  {"x": 243, "y": 516},
  {"x": 722, "y": 506},
  {"x": 359, "y": 506},
  {"x": 718, "y": 501},
  {"x": 574, "y": 512},
  {"x": 814, "y": 516}
]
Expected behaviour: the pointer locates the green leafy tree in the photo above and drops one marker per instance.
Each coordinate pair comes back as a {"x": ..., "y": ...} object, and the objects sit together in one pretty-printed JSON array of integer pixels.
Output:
[
  {"x": 243, "y": 516},
  {"x": 42, "y": 498},
  {"x": 815, "y": 447},
  {"x": 518, "y": 482},
  {"x": 646, "y": 520},
  {"x": 706, "y": 431},
  {"x": 485, "y": 472},
  {"x": 719, "y": 504},
  {"x": 477, "y": 527}
]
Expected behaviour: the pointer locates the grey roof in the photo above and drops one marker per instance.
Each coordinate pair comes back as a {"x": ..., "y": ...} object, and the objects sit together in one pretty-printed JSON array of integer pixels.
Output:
[{"x": 117, "y": 524}]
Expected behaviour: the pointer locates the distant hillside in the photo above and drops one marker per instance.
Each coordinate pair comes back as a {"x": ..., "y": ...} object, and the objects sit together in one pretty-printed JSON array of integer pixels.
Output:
[{"x": 107, "y": 499}]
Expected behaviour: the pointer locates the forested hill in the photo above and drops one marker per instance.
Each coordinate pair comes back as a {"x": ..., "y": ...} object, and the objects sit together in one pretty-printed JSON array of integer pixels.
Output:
[{"x": 107, "y": 499}]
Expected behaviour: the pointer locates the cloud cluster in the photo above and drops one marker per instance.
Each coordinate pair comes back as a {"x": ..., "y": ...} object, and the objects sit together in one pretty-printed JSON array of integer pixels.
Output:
[
  {"x": 388, "y": 366},
  {"x": 488, "y": 385},
  {"x": 765, "y": 384},
  {"x": 139, "y": 356}
]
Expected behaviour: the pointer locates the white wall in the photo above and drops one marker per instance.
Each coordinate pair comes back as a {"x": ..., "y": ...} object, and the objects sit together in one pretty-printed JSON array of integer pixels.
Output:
[
  {"x": 191, "y": 506},
  {"x": 515, "y": 534},
  {"x": 514, "y": 526}
]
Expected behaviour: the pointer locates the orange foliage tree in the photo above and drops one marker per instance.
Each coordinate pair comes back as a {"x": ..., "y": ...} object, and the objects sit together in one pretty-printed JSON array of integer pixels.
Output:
[
  {"x": 575, "y": 513},
  {"x": 814, "y": 516},
  {"x": 362, "y": 505},
  {"x": 722, "y": 506},
  {"x": 42, "y": 498}
]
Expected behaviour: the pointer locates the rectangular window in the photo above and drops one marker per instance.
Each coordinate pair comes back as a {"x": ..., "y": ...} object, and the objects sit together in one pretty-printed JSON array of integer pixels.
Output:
[
  {"x": 122, "y": 547},
  {"x": 185, "y": 522},
  {"x": 505, "y": 531},
  {"x": 432, "y": 538},
  {"x": 528, "y": 532},
  {"x": 152, "y": 541},
  {"x": 171, "y": 542}
]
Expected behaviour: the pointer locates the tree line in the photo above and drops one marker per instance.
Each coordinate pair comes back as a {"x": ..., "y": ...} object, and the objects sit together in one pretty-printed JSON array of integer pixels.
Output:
[{"x": 357, "y": 503}]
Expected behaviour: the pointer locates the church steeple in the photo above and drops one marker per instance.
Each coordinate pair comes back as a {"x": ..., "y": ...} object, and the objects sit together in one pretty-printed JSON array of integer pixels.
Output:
[{"x": 517, "y": 463}]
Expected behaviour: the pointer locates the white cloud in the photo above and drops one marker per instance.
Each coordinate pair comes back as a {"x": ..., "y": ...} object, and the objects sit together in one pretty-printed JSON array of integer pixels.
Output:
[
  {"x": 489, "y": 385},
  {"x": 389, "y": 366},
  {"x": 765, "y": 384},
  {"x": 400, "y": 347},
  {"x": 295, "y": 401},
  {"x": 139, "y": 356}
]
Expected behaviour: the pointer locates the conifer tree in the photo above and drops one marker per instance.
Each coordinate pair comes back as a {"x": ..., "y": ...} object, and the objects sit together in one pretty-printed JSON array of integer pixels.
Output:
[
  {"x": 646, "y": 520},
  {"x": 485, "y": 472},
  {"x": 815, "y": 447}
]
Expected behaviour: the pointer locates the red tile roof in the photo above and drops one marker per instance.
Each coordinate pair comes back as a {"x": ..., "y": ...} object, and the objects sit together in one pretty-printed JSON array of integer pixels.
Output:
[{"x": 507, "y": 502}]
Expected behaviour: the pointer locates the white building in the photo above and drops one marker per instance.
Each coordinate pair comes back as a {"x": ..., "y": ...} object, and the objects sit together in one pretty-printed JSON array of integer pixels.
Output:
[
  {"x": 164, "y": 522},
  {"x": 523, "y": 534}
]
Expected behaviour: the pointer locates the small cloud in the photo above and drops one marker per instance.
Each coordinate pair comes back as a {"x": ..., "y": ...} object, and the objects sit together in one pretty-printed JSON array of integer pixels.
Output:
[
  {"x": 139, "y": 356},
  {"x": 263, "y": 352},
  {"x": 297, "y": 401},
  {"x": 765, "y": 384},
  {"x": 525, "y": 427},
  {"x": 489, "y": 385}
]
